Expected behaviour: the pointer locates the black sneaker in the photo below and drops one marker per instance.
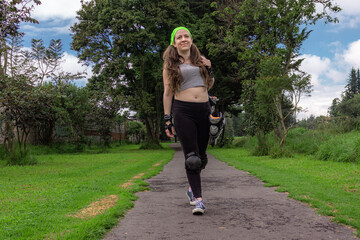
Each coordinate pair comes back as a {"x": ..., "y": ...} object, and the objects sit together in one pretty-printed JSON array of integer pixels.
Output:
[
  {"x": 199, "y": 208},
  {"x": 191, "y": 197}
]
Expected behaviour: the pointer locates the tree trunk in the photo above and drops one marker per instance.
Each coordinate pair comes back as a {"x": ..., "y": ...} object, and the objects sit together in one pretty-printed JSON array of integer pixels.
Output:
[
  {"x": 151, "y": 136},
  {"x": 8, "y": 137}
]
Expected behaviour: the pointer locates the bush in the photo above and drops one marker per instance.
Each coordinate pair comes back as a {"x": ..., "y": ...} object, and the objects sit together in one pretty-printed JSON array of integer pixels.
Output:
[
  {"x": 256, "y": 149},
  {"x": 240, "y": 142},
  {"x": 15, "y": 158},
  {"x": 226, "y": 142},
  {"x": 303, "y": 141},
  {"x": 260, "y": 150},
  {"x": 150, "y": 145},
  {"x": 341, "y": 148},
  {"x": 278, "y": 152}
]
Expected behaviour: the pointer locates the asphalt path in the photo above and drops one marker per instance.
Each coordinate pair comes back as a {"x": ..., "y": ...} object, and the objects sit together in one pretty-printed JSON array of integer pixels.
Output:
[{"x": 238, "y": 206}]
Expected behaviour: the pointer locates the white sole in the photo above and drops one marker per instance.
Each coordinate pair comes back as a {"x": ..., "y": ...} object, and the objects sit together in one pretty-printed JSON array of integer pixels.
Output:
[
  {"x": 198, "y": 211},
  {"x": 191, "y": 203}
]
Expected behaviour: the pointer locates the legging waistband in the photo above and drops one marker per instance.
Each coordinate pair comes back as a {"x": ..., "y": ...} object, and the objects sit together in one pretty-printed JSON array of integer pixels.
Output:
[{"x": 191, "y": 104}]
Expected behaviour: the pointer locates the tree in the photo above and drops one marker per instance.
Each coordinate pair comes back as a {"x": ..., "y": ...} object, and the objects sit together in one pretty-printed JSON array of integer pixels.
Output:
[
  {"x": 334, "y": 108},
  {"x": 350, "y": 107},
  {"x": 72, "y": 110},
  {"x": 124, "y": 41},
  {"x": 351, "y": 89},
  {"x": 274, "y": 31},
  {"x": 12, "y": 13},
  {"x": 46, "y": 60},
  {"x": 135, "y": 131},
  {"x": 274, "y": 85},
  {"x": 260, "y": 117},
  {"x": 121, "y": 121},
  {"x": 213, "y": 40},
  {"x": 25, "y": 106},
  {"x": 43, "y": 64},
  {"x": 105, "y": 105}
]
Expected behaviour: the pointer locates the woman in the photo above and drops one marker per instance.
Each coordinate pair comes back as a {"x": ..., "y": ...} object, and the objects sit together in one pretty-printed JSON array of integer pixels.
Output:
[{"x": 187, "y": 77}]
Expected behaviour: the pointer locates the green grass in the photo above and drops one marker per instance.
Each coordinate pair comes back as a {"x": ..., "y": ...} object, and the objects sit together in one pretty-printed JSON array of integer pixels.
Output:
[
  {"x": 341, "y": 148},
  {"x": 333, "y": 188},
  {"x": 36, "y": 202}
]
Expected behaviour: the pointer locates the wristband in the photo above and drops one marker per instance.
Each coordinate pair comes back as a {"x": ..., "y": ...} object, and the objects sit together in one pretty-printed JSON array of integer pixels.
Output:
[{"x": 167, "y": 117}]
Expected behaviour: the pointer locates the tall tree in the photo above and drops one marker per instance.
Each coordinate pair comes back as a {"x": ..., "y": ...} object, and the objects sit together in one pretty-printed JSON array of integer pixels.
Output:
[
  {"x": 124, "y": 41},
  {"x": 211, "y": 34},
  {"x": 350, "y": 107},
  {"x": 277, "y": 31},
  {"x": 351, "y": 87},
  {"x": 334, "y": 108},
  {"x": 12, "y": 13},
  {"x": 46, "y": 59},
  {"x": 272, "y": 84}
]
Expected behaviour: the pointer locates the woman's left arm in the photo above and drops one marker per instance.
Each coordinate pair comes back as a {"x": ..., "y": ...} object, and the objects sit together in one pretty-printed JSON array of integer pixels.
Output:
[{"x": 207, "y": 64}]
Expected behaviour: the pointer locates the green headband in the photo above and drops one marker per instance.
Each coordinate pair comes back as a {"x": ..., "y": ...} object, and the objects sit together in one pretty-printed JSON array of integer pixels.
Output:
[{"x": 174, "y": 32}]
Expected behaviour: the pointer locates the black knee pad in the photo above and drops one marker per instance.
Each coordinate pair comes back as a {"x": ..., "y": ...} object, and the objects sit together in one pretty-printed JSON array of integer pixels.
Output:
[
  {"x": 204, "y": 161},
  {"x": 192, "y": 162}
]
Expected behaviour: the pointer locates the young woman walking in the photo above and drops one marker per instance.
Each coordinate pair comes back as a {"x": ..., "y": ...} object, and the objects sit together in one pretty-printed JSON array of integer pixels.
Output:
[{"x": 187, "y": 78}]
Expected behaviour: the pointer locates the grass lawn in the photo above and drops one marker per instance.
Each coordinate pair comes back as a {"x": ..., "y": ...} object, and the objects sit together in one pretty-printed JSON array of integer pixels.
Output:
[
  {"x": 332, "y": 188},
  {"x": 74, "y": 196}
]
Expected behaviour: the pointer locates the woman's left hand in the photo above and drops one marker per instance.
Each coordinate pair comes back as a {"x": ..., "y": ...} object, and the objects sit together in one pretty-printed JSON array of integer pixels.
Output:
[{"x": 206, "y": 61}]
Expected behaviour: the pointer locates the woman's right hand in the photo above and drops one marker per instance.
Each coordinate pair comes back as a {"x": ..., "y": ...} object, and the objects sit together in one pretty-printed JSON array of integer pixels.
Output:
[{"x": 167, "y": 131}]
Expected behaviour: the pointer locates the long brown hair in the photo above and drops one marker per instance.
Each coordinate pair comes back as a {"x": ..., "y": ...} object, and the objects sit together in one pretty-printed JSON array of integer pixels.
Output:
[{"x": 172, "y": 60}]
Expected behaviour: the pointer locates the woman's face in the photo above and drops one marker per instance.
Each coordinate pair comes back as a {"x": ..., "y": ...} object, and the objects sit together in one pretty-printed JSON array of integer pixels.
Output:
[{"x": 182, "y": 40}]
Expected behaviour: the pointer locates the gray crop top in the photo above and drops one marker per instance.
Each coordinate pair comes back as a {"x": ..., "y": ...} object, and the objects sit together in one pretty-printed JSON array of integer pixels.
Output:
[{"x": 191, "y": 76}]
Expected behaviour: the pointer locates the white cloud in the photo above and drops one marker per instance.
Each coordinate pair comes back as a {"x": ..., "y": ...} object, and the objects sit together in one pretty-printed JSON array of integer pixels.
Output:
[
  {"x": 351, "y": 55},
  {"x": 320, "y": 100},
  {"x": 323, "y": 72},
  {"x": 315, "y": 66},
  {"x": 72, "y": 65},
  {"x": 32, "y": 30},
  {"x": 336, "y": 76},
  {"x": 56, "y": 9},
  {"x": 328, "y": 77},
  {"x": 349, "y": 16},
  {"x": 336, "y": 44},
  {"x": 349, "y": 7}
]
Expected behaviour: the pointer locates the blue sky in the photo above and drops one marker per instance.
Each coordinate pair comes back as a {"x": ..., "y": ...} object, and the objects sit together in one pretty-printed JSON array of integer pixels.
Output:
[{"x": 330, "y": 52}]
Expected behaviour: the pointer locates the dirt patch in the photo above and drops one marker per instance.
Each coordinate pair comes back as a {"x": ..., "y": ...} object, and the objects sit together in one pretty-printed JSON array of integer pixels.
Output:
[
  {"x": 97, "y": 207},
  {"x": 139, "y": 176},
  {"x": 156, "y": 164},
  {"x": 127, "y": 184}
]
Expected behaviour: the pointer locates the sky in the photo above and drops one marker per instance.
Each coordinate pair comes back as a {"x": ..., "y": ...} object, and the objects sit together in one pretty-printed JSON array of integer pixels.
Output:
[{"x": 329, "y": 53}]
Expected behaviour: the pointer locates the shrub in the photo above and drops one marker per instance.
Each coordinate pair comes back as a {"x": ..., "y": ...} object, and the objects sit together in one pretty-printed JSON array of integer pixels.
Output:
[
  {"x": 341, "y": 148},
  {"x": 257, "y": 147},
  {"x": 278, "y": 152},
  {"x": 226, "y": 142},
  {"x": 15, "y": 158},
  {"x": 301, "y": 140},
  {"x": 240, "y": 142},
  {"x": 150, "y": 145}
]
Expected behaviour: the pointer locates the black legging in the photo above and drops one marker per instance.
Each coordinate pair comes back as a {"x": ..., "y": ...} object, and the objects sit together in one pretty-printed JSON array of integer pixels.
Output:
[{"x": 191, "y": 121}]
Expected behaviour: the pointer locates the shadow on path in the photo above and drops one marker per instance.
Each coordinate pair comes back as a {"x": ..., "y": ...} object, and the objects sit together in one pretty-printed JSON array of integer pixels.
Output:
[{"x": 238, "y": 206}]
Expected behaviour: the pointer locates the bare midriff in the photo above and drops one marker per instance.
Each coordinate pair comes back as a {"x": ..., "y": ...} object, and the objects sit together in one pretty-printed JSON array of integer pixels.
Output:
[{"x": 194, "y": 94}]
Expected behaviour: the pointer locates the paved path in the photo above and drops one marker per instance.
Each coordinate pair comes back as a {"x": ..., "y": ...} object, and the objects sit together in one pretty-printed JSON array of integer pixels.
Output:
[{"x": 238, "y": 206}]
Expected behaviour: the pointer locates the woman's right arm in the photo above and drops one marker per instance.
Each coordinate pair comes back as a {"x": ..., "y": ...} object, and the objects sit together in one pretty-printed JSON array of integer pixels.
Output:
[
  {"x": 168, "y": 94},
  {"x": 167, "y": 100}
]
